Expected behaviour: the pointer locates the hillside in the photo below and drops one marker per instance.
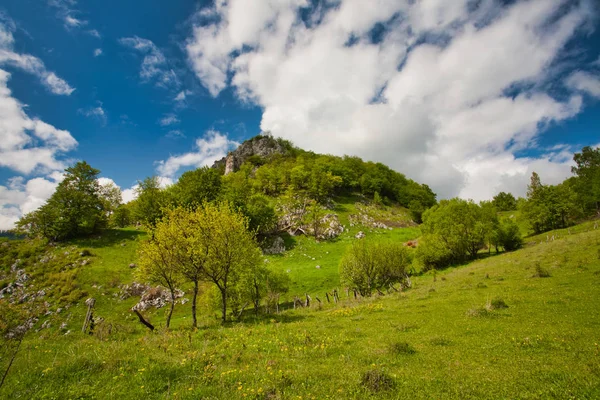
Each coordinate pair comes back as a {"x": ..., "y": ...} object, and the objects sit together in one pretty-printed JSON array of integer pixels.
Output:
[{"x": 492, "y": 329}]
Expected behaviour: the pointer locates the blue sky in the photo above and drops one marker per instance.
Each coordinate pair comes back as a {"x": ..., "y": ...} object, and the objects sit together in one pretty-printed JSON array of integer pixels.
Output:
[{"x": 467, "y": 98}]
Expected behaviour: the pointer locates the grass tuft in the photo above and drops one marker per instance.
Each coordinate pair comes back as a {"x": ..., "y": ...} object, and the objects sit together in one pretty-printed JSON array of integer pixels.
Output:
[
  {"x": 377, "y": 380},
  {"x": 402, "y": 348}
]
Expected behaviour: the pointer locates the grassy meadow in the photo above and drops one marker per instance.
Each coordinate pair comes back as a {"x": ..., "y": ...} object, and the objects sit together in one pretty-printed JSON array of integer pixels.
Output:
[{"x": 517, "y": 325}]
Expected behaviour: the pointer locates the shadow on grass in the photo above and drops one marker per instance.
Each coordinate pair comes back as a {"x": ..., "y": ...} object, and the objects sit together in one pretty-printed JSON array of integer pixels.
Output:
[{"x": 107, "y": 238}]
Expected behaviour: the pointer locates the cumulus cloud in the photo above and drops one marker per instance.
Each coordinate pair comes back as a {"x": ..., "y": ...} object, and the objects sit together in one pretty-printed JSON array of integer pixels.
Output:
[
  {"x": 28, "y": 63},
  {"x": 446, "y": 92},
  {"x": 97, "y": 52},
  {"x": 28, "y": 143},
  {"x": 154, "y": 65},
  {"x": 208, "y": 149},
  {"x": 19, "y": 197},
  {"x": 66, "y": 12}
]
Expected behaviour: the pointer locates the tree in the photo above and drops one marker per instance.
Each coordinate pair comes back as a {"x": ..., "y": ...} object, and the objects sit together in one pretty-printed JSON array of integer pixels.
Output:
[
  {"x": 158, "y": 264},
  {"x": 366, "y": 266},
  {"x": 505, "y": 202},
  {"x": 587, "y": 171},
  {"x": 509, "y": 235},
  {"x": 74, "y": 209},
  {"x": 121, "y": 217},
  {"x": 232, "y": 248},
  {"x": 148, "y": 207},
  {"x": 111, "y": 197},
  {"x": 195, "y": 187}
]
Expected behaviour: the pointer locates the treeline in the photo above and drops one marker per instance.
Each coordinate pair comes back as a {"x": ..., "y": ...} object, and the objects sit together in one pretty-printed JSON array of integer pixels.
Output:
[{"x": 456, "y": 230}]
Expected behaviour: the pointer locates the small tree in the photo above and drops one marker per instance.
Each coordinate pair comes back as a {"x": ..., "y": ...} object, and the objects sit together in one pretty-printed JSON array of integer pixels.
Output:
[
  {"x": 158, "y": 261},
  {"x": 148, "y": 207},
  {"x": 232, "y": 248}
]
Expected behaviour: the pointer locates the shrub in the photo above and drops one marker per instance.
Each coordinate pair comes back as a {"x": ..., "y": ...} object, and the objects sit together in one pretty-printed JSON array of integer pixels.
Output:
[{"x": 433, "y": 252}]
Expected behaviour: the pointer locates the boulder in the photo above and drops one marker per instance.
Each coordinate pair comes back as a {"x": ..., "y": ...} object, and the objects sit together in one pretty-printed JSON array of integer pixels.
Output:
[{"x": 360, "y": 235}]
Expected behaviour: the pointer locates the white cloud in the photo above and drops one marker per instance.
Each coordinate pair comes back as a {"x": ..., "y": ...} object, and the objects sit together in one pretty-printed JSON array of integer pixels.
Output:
[
  {"x": 169, "y": 119},
  {"x": 585, "y": 82},
  {"x": 154, "y": 65},
  {"x": 97, "y": 52},
  {"x": 20, "y": 197},
  {"x": 28, "y": 144},
  {"x": 68, "y": 15},
  {"x": 433, "y": 96},
  {"x": 175, "y": 133},
  {"x": 96, "y": 113},
  {"x": 208, "y": 149},
  {"x": 94, "y": 33},
  {"x": 29, "y": 63}
]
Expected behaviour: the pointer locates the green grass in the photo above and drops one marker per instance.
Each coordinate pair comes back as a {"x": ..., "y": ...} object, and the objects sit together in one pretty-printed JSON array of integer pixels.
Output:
[{"x": 489, "y": 329}]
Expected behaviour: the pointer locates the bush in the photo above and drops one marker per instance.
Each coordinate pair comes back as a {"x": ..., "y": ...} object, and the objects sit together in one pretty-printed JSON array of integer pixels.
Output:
[
  {"x": 433, "y": 252},
  {"x": 367, "y": 267},
  {"x": 509, "y": 235}
]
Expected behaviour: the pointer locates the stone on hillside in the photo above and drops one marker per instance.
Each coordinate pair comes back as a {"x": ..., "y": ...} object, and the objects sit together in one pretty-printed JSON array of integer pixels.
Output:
[
  {"x": 318, "y": 267},
  {"x": 360, "y": 235},
  {"x": 132, "y": 265}
]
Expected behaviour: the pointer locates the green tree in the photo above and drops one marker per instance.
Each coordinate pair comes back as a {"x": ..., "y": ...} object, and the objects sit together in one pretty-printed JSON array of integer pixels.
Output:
[
  {"x": 150, "y": 202},
  {"x": 587, "y": 171},
  {"x": 195, "y": 187},
  {"x": 121, "y": 217},
  {"x": 158, "y": 258},
  {"x": 505, "y": 202},
  {"x": 76, "y": 207},
  {"x": 232, "y": 248}
]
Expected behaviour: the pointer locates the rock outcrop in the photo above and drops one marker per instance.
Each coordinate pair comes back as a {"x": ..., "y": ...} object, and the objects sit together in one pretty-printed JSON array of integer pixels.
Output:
[{"x": 261, "y": 146}]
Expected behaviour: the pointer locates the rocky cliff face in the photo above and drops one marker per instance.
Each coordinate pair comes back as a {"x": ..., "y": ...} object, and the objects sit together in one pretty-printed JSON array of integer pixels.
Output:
[{"x": 263, "y": 146}]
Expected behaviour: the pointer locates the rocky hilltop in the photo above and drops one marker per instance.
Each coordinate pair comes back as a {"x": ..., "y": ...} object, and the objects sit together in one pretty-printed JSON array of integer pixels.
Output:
[{"x": 261, "y": 147}]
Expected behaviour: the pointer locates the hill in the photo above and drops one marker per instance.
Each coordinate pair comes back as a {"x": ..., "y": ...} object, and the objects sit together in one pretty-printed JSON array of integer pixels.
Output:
[{"x": 516, "y": 325}]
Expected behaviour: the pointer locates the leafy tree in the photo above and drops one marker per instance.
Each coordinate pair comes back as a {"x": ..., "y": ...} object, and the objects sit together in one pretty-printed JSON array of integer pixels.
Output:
[
  {"x": 121, "y": 217},
  {"x": 549, "y": 207},
  {"x": 148, "y": 207},
  {"x": 367, "y": 267},
  {"x": 261, "y": 214},
  {"x": 159, "y": 263},
  {"x": 509, "y": 235},
  {"x": 232, "y": 248},
  {"x": 195, "y": 187},
  {"x": 505, "y": 202},
  {"x": 587, "y": 171},
  {"x": 76, "y": 207}
]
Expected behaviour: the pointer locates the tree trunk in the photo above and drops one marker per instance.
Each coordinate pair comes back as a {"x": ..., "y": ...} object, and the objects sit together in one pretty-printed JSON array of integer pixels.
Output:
[
  {"x": 194, "y": 300},
  {"x": 171, "y": 308},
  {"x": 223, "y": 305}
]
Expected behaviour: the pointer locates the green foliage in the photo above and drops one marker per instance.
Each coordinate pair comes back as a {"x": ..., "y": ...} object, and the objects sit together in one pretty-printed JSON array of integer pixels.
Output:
[
  {"x": 433, "y": 252},
  {"x": 587, "y": 171},
  {"x": 197, "y": 186},
  {"x": 457, "y": 229},
  {"x": 369, "y": 266},
  {"x": 505, "y": 202},
  {"x": 508, "y": 235},
  {"x": 121, "y": 217},
  {"x": 550, "y": 207},
  {"x": 77, "y": 207},
  {"x": 150, "y": 202},
  {"x": 261, "y": 214}
]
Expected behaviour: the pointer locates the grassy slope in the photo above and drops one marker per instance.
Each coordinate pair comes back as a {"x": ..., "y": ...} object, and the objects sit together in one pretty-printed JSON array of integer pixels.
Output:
[{"x": 544, "y": 345}]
